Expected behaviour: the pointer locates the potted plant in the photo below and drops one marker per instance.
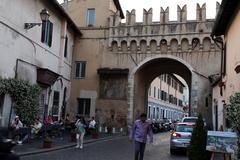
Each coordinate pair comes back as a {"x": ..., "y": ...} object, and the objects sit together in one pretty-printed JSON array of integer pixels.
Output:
[
  {"x": 95, "y": 132},
  {"x": 233, "y": 111},
  {"x": 47, "y": 141},
  {"x": 197, "y": 149},
  {"x": 73, "y": 133}
]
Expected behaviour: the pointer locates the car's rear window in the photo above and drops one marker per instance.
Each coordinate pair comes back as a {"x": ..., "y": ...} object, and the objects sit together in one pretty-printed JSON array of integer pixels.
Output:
[
  {"x": 184, "y": 128},
  {"x": 190, "y": 120}
]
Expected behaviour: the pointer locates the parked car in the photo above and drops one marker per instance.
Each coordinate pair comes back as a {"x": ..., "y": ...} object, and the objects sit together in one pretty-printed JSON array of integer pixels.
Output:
[
  {"x": 192, "y": 120},
  {"x": 181, "y": 136},
  {"x": 167, "y": 124}
]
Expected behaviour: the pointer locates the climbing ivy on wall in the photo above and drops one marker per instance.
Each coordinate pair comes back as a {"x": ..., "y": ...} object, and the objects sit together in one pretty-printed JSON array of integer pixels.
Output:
[
  {"x": 25, "y": 98},
  {"x": 233, "y": 112}
]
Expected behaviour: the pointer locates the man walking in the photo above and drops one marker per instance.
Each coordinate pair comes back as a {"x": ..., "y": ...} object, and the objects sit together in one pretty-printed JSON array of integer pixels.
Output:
[{"x": 140, "y": 131}]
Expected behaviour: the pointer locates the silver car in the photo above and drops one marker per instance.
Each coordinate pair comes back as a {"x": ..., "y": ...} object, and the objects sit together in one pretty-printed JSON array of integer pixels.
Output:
[{"x": 181, "y": 136}]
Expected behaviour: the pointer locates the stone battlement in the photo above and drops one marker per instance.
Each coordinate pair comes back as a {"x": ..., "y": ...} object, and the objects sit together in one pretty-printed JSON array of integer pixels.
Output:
[
  {"x": 164, "y": 16},
  {"x": 164, "y": 30}
]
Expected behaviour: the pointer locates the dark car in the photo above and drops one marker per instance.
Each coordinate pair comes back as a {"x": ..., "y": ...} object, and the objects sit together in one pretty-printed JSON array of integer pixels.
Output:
[{"x": 167, "y": 124}]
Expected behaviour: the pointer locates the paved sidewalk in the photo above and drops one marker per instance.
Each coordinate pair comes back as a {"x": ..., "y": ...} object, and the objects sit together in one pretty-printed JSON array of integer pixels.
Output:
[{"x": 36, "y": 146}]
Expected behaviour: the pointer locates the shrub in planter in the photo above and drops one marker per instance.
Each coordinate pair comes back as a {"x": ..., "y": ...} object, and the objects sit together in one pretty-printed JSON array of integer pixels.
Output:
[
  {"x": 47, "y": 142},
  {"x": 197, "y": 148},
  {"x": 94, "y": 133},
  {"x": 73, "y": 133},
  {"x": 233, "y": 112}
]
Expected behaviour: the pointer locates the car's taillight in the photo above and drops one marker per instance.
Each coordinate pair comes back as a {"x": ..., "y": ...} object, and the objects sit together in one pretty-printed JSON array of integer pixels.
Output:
[{"x": 176, "y": 135}]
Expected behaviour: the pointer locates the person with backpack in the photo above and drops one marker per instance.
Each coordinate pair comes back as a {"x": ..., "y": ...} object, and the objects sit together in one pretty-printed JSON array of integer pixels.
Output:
[{"x": 80, "y": 128}]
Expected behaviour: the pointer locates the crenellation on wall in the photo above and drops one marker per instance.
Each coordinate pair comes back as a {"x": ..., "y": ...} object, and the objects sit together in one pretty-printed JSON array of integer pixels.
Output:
[
  {"x": 164, "y": 26},
  {"x": 147, "y": 16},
  {"x": 201, "y": 12},
  {"x": 131, "y": 17},
  {"x": 182, "y": 13},
  {"x": 164, "y": 15}
]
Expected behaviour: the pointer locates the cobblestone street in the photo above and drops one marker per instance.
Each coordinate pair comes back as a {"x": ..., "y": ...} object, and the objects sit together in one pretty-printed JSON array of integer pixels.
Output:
[{"x": 117, "y": 149}]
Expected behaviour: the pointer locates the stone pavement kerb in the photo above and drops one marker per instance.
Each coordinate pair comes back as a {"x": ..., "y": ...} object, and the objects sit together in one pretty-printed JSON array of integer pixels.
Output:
[{"x": 72, "y": 144}]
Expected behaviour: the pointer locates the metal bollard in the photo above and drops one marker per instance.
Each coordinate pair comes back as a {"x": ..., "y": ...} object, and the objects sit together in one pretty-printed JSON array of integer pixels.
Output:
[{"x": 113, "y": 130}]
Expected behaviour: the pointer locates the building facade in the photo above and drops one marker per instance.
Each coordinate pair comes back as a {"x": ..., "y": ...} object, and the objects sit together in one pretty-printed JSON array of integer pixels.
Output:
[
  {"x": 226, "y": 33},
  {"x": 165, "y": 98},
  {"x": 40, "y": 54},
  {"x": 116, "y": 62},
  {"x": 93, "y": 22}
]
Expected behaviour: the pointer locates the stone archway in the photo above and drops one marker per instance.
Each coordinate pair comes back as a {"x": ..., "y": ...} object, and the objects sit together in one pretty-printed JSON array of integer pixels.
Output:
[{"x": 142, "y": 75}]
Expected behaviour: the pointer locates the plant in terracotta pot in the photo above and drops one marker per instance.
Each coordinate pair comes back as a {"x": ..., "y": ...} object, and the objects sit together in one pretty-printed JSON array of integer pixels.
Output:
[
  {"x": 95, "y": 133},
  {"x": 73, "y": 133},
  {"x": 47, "y": 141}
]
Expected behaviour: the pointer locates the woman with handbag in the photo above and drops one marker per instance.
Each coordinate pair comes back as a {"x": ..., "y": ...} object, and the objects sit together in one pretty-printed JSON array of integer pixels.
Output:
[{"x": 80, "y": 127}]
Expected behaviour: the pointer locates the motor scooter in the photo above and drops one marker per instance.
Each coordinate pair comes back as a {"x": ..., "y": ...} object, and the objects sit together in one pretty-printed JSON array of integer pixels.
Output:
[{"x": 6, "y": 146}]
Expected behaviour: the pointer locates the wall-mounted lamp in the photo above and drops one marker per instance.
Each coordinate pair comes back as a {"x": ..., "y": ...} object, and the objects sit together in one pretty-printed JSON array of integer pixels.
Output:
[{"x": 44, "y": 15}]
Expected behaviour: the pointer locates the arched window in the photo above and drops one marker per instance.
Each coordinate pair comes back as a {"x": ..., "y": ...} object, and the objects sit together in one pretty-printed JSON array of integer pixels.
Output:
[
  {"x": 174, "y": 45},
  {"x": 124, "y": 46},
  {"x": 195, "y": 44},
  {"x": 143, "y": 46},
  {"x": 114, "y": 46},
  {"x": 133, "y": 46},
  {"x": 153, "y": 45},
  {"x": 163, "y": 45}
]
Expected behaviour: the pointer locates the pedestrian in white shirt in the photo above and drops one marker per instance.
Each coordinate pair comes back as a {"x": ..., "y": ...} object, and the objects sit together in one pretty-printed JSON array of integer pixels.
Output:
[
  {"x": 92, "y": 123},
  {"x": 92, "y": 126}
]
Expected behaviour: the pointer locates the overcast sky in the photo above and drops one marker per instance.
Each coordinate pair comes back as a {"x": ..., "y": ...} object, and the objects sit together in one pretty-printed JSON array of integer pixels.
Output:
[{"x": 156, "y": 4}]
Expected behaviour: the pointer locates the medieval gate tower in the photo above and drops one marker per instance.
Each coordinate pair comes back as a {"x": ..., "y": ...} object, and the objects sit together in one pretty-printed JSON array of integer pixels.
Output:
[{"x": 122, "y": 59}]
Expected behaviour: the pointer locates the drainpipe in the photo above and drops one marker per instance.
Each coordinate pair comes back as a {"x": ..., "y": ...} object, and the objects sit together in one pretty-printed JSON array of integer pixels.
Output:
[{"x": 218, "y": 40}]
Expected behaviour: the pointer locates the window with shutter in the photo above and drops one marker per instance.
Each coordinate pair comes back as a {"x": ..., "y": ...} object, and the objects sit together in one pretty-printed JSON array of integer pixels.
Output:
[
  {"x": 47, "y": 33},
  {"x": 90, "y": 17},
  {"x": 80, "y": 69},
  {"x": 84, "y": 105}
]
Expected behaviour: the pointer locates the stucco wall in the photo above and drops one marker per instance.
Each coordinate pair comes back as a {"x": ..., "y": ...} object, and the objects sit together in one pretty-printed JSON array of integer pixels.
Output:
[
  {"x": 233, "y": 58},
  {"x": 23, "y": 52},
  {"x": 78, "y": 11}
]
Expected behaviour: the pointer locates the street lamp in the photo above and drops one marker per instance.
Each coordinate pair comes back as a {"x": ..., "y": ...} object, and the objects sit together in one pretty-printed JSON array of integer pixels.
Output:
[{"x": 44, "y": 15}]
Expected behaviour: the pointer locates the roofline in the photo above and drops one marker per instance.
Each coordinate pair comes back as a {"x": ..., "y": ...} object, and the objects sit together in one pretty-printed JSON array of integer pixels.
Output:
[
  {"x": 224, "y": 17},
  {"x": 65, "y": 15},
  {"x": 118, "y": 5},
  {"x": 177, "y": 79}
]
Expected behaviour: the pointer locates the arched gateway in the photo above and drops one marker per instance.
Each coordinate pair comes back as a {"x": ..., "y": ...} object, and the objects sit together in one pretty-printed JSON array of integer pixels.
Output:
[
  {"x": 121, "y": 60},
  {"x": 142, "y": 75},
  {"x": 149, "y": 49}
]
